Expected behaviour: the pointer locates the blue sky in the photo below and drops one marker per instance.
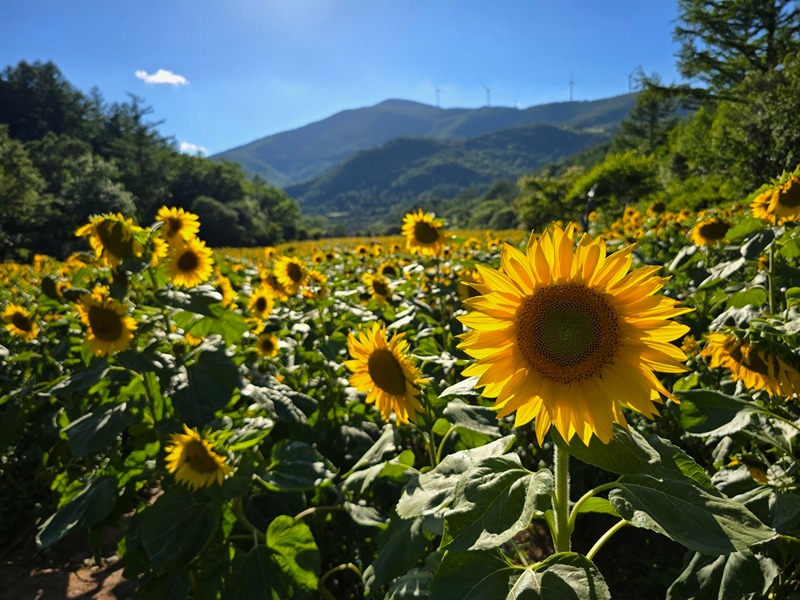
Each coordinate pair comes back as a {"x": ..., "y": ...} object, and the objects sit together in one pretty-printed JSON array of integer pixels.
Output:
[{"x": 221, "y": 73}]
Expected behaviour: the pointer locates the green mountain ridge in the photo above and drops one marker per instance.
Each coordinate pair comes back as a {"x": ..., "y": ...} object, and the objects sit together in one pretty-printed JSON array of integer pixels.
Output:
[
  {"x": 364, "y": 189},
  {"x": 299, "y": 155}
]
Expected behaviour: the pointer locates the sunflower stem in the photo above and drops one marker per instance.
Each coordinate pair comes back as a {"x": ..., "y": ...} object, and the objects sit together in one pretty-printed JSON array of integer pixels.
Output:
[
  {"x": 590, "y": 494},
  {"x": 442, "y": 442},
  {"x": 771, "y": 275},
  {"x": 604, "y": 538},
  {"x": 561, "y": 500},
  {"x": 238, "y": 510}
]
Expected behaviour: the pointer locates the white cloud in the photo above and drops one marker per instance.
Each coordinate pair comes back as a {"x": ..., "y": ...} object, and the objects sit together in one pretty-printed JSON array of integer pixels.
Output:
[
  {"x": 189, "y": 148},
  {"x": 162, "y": 76}
]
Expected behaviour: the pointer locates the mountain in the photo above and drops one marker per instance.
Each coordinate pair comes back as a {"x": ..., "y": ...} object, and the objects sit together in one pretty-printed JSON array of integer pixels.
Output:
[
  {"x": 299, "y": 155},
  {"x": 364, "y": 188}
]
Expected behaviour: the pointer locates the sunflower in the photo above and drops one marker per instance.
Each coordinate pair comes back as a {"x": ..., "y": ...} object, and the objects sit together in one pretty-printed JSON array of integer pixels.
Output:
[
  {"x": 290, "y": 273},
  {"x": 110, "y": 327},
  {"x": 389, "y": 269},
  {"x": 656, "y": 208},
  {"x": 193, "y": 461},
  {"x": 278, "y": 291},
  {"x": 709, "y": 232},
  {"x": 111, "y": 238},
  {"x": 19, "y": 322},
  {"x": 362, "y": 250},
  {"x": 261, "y": 302},
  {"x": 225, "y": 287},
  {"x": 423, "y": 233},
  {"x": 779, "y": 201},
  {"x": 316, "y": 285},
  {"x": 466, "y": 279},
  {"x": 178, "y": 224},
  {"x": 267, "y": 345},
  {"x": 567, "y": 337},
  {"x": 378, "y": 287},
  {"x": 384, "y": 371},
  {"x": 190, "y": 263},
  {"x": 757, "y": 369}
]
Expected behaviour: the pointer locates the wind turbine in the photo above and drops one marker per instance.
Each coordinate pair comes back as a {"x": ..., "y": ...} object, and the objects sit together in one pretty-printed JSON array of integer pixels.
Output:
[
  {"x": 488, "y": 94},
  {"x": 438, "y": 91}
]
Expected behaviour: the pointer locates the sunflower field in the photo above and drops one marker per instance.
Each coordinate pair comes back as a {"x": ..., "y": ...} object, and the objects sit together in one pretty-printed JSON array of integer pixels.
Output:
[{"x": 595, "y": 409}]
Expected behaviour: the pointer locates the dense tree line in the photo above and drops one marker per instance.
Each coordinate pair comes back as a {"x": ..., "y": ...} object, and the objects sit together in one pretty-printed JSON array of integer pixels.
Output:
[
  {"x": 66, "y": 155},
  {"x": 731, "y": 128}
]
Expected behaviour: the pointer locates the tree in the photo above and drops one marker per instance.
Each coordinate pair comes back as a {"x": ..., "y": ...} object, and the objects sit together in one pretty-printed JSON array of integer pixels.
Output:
[
  {"x": 648, "y": 125},
  {"x": 722, "y": 41}
]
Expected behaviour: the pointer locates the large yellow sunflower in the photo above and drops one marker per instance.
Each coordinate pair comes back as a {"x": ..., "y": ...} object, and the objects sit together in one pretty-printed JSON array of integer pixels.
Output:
[
  {"x": 757, "y": 369},
  {"x": 190, "y": 263},
  {"x": 178, "y": 223},
  {"x": 193, "y": 461},
  {"x": 568, "y": 337},
  {"x": 261, "y": 302},
  {"x": 290, "y": 273},
  {"x": 780, "y": 201},
  {"x": 110, "y": 327},
  {"x": 424, "y": 233},
  {"x": 384, "y": 371},
  {"x": 19, "y": 322},
  {"x": 709, "y": 232},
  {"x": 111, "y": 238}
]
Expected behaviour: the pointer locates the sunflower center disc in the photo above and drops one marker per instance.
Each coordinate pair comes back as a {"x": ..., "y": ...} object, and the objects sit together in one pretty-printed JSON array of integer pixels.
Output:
[
  {"x": 188, "y": 262},
  {"x": 380, "y": 288},
  {"x": 261, "y": 304},
  {"x": 266, "y": 345},
  {"x": 198, "y": 458},
  {"x": 106, "y": 324},
  {"x": 789, "y": 196},
  {"x": 294, "y": 272},
  {"x": 20, "y": 321},
  {"x": 714, "y": 230},
  {"x": 175, "y": 225},
  {"x": 567, "y": 333},
  {"x": 116, "y": 238},
  {"x": 425, "y": 233},
  {"x": 386, "y": 372}
]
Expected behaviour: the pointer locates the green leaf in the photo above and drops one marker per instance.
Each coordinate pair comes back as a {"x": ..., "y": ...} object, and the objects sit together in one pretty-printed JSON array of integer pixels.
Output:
[
  {"x": 736, "y": 575},
  {"x": 790, "y": 248},
  {"x": 91, "y": 506},
  {"x": 705, "y": 411},
  {"x": 171, "y": 585},
  {"x": 480, "y": 575},
  {"x": 364, "y": 515},
  {"x": 83, "y": 379},
  {"x": 743, "y": 228},
  {"x": 431, "y": 492},
  {"x": 689, "y": 514},
  {"x": 145, "y": 362},
  {"x": 413, "y": 585},
  {"x": 196, "y": 300},
  {"x": 496, "y": 499},
  {"x": 756, "y": 244},
  {"x": 752, "y": 297},
  {"x": 400, "y": 546},
  {"x": 466, "y": 387},
  {"x": 176, "y": 528},
  {"x": 296, "y": 466},
  {"x": 227, "y": 323},
  {"x": 597, "y": 505},
  {"x": 562, "y": 576},
  {"x": 208, "y": 386},
  {"x": 295, "y": 553},
  {"x": 478, "y": 419},
  {"x": 98, "y": 430},
  {"x": 626, "y": 452}
]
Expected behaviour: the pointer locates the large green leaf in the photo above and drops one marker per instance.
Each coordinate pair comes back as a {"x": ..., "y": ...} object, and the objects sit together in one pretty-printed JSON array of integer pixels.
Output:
[
  {"x": 176, "y": 528},
  {"x": 295, "y": 553},
  {"x": 196, "y": 300},
  {"x": 562, "y": 576},
  {"x": 82, "y": 379},
  {"x": 208, "y": 386},
  {"x": 733, "y": 576},
  {"x": 91, "y": 506},
  {"x": 98, "y": 430},
  {"x": 473, "y": 423},
  {"x": 689, "y": 514},
  {"x": 296, "y": 466},
  {"x": 400, "y": 547},
  {"x": 429, "y": 493},
  {"x": 168, "y": 586},
  {"x": 703, "y": 412},
  {"x": 496, "y": 500},
  {"x": 227, "y": 323},
  {"x": 479, "y": 575}
]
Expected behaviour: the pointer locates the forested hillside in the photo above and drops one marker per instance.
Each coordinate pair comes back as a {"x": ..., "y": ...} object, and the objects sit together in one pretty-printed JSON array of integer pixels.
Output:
[
  {"x": 66, "y": 155},
  {"x": 296, "y": 156}
]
